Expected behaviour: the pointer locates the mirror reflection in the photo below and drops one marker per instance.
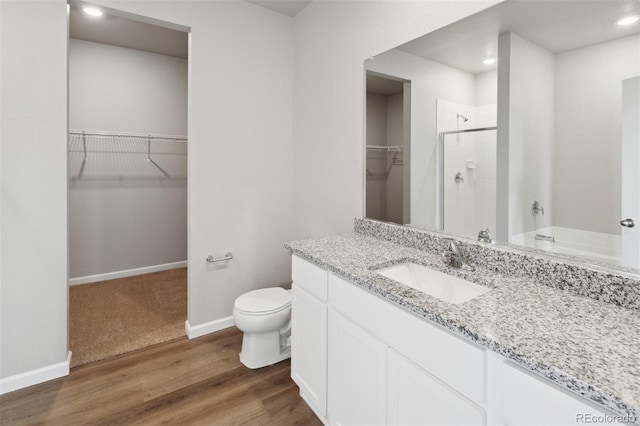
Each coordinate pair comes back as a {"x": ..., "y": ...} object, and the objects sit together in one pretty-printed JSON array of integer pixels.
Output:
[{"x": 518, "y": 124}]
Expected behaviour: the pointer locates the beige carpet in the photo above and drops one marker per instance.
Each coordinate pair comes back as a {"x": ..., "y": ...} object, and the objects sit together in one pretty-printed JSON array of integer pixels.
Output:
[{"x": 117, "y": 316}]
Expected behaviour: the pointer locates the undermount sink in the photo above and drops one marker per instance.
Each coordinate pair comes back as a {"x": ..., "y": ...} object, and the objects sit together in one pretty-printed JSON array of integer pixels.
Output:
[{"x": 437, "y": 284}]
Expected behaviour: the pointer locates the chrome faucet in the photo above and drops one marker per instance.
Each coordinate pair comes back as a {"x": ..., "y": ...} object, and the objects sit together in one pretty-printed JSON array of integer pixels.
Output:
[
  {"x": 485, "y": 236},
  {"x": 454, "y": 257},
  {"x": 541, "y": 237},
  {"x": 536, "y": 208}
]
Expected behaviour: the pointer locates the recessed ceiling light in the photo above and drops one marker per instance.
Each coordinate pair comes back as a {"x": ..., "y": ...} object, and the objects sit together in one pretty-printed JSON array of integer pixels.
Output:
[
  {"x": 489, "y": 61},
  {"x": 628, "y": 20},
  {"x": 92, "y": 11}
]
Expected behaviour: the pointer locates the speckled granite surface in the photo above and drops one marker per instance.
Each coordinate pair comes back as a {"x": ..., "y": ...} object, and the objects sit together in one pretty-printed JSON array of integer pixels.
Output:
[
  {"x": 612, "y": 286},
  {"x": 585, "y": 345}
]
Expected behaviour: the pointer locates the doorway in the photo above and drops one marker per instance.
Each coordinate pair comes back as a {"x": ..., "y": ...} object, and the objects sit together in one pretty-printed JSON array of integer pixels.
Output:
[
  {"x": 387, "y": 148},
  {"x": 127, "y": 174}
]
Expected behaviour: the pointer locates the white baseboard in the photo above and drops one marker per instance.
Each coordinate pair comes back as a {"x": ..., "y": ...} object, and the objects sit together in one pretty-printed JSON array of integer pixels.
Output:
[
  {"x": 126, "y": 273},
  {"x": 207, "y": 327},
  {"x": 33, "y": 377}
]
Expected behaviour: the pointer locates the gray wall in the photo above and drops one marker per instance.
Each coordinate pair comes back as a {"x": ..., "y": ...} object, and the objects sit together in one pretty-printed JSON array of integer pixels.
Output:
[
  {"x": 123, "y": 213},
  {"x": 376, "y": 163},
  {"x": 396, "y": 171},
  {"x": 384, "y": 179}
]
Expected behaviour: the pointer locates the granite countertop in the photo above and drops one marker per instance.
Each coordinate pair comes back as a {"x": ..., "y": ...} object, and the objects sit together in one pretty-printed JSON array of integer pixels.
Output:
[{"x": 588, "y": 346}]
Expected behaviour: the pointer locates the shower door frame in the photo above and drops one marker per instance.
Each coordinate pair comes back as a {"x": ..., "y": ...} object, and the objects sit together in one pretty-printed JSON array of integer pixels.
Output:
[{"x": 441, "y": 138}]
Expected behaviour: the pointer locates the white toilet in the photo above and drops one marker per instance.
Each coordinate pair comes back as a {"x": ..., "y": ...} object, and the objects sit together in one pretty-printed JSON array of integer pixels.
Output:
[{"x": 264, "y": 316}]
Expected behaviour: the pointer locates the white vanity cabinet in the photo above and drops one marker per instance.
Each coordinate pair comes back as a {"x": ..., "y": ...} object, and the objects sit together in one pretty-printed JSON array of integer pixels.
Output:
[
  {"x": 403, "y": 367},
  {"x": 415, "y": 397},
  {"x": 530, "y": 400},
  {"x": 357, "y": 379},
  {"x": 361, "y": 360},
  {"x": 309, "y": 333}
]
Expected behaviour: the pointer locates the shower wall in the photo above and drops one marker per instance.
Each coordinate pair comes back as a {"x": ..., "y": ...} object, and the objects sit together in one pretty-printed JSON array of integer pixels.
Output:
[{"x": 124, "y": 214}]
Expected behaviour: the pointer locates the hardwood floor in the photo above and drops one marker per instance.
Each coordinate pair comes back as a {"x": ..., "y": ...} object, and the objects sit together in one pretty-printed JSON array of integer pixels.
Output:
[{"x": 181, "y": 382}]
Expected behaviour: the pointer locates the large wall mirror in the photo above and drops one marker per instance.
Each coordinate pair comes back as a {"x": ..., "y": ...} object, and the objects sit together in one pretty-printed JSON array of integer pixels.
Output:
[{"x": 522, "y": 120}]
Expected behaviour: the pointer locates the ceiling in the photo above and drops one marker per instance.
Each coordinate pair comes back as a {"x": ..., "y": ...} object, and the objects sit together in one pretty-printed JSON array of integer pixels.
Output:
[
  {"x": 383, "y": 85},
  {"x": 129, "y": 33},
  {"x": 557, "y": 26},
  {"x": 286, "y": 7},
  {"x": 114, "y": 29}
]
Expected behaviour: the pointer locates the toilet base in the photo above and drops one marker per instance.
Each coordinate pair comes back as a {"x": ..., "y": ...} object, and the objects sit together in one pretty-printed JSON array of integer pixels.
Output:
[{"x": 262, "y": 349}]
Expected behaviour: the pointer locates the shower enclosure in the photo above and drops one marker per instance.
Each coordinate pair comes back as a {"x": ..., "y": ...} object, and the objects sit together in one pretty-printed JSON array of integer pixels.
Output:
[{"x": 467, "y": 180}]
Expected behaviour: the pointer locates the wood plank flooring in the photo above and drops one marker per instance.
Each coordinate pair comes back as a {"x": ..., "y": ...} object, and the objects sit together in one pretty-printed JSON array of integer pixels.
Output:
[{"x": 181, "y": 382}]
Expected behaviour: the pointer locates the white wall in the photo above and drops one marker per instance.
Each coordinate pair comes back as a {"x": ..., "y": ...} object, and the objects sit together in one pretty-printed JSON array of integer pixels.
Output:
[
  {"x": 487, "y": 88},
  {"x": 332, "y": 41},
  {"x": 125, "y": 90},
  {"x": 588, "y": 133},
  {"x": 530, "y": 114},
  {"x": 429, "y": 81},
  {"x": 630, "y": 237},
  {"x": 33, "y": 213},
  {"x": 123, "y": 213}
]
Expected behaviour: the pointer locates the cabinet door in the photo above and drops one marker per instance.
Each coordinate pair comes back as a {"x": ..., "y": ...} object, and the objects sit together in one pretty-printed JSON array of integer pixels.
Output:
[
  {"x": 414, "y": 397},
  {"x": 309, "y": 349},
  {"x": 530, "y": 400},
  {"x": 357, "y": 374}
]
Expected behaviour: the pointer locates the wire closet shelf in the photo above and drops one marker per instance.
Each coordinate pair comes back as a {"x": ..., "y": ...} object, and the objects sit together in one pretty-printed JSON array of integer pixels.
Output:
[{"x": 134, "y": 149}]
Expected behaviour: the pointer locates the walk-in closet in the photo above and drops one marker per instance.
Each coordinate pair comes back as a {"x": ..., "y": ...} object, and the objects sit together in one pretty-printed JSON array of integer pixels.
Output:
[{"x": 127, "y": 172}]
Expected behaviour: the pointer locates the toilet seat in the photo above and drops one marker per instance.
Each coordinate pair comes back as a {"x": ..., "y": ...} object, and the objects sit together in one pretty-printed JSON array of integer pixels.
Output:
[{"x": 263, "y": 301}]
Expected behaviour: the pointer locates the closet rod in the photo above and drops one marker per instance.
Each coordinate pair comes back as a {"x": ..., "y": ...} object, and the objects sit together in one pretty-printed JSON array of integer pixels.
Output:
[
  {"x": 384, "y": 148},
  {"x": 127, "y": 135}
]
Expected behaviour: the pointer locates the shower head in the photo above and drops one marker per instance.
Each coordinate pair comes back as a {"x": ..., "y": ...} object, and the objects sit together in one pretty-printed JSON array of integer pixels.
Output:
[{"x": 464, "y": 119}]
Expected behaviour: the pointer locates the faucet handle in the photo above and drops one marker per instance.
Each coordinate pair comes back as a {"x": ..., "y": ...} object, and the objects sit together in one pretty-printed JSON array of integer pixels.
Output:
[
  {"x": 453, "y": 255},
  {"x": 452, "y": 245},
  {"x": 484, "y": 236},
  {"x": 536, "y": 208}
]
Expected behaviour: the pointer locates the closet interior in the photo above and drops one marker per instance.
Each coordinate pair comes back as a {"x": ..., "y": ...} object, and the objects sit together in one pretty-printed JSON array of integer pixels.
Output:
[{"x": 127, "y": 174}]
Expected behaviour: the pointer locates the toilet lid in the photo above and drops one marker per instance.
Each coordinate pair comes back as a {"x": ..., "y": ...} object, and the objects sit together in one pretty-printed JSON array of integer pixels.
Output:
[{"x": 263, "y": 300}]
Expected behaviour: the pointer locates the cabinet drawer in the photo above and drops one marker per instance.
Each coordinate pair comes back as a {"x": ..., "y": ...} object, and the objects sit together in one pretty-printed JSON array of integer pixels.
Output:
[
  {"x": 309, "y": 277},
  {"x": 451, "y": 359}
]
